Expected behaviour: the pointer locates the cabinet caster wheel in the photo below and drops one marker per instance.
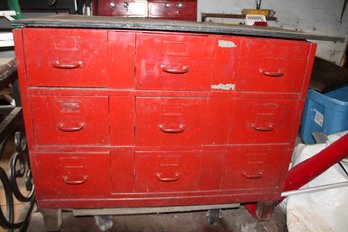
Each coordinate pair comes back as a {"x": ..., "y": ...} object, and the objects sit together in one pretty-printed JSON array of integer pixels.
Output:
[{"x": 213, "y": 216}]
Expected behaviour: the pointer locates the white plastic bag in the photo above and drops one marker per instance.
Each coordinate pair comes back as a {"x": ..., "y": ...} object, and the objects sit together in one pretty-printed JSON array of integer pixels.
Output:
[{"x": 324, "y": 210}]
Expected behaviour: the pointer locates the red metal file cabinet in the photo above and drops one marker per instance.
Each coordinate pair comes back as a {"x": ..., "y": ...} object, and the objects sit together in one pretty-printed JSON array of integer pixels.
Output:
[{"x": 122, "y": 118}]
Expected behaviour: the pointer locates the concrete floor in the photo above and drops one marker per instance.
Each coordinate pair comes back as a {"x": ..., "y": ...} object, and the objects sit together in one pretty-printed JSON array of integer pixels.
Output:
[{"x": 233, "y": 220}]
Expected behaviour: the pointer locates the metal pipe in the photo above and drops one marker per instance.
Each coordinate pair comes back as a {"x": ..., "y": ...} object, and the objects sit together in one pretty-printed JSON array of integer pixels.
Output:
[
  {"x": 316, "y": 165},
  {"x": 315, "y": 189}
]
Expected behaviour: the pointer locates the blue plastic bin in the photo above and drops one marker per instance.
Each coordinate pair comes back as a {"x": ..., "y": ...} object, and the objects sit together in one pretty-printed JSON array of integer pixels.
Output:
[{"x": 327, "y": 113}]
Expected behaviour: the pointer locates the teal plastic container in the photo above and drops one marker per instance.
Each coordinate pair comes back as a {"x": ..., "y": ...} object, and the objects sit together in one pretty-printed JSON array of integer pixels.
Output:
[{"x": 327, "y": 113}]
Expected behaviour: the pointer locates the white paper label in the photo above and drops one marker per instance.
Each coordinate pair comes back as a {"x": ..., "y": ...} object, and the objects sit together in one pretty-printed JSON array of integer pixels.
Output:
[
  {"x": 224, "y": 86},
  {"x": 226, "y": 44},
  {"x": 318, "y": 118}
]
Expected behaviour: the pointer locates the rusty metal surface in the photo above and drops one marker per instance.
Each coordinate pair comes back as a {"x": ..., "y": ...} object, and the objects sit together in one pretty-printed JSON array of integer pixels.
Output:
[{"x": 79, "y": 21}]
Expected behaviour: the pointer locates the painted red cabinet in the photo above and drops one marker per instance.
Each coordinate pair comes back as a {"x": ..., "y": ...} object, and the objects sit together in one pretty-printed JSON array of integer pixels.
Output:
[
  {"x": 123, "y": 117},
  {"x": 160, "y": 9},
  {"x": 129, "y": 8},
  {"x": 184, "y": 10}
]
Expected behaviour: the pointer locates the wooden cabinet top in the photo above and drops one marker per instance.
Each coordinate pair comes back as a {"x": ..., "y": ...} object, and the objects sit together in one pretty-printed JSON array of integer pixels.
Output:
[{"x": 103, "y": 22}]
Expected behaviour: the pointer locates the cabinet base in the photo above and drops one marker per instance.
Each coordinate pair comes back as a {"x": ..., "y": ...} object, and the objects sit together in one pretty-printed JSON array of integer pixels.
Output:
[
  {"x": 52, "y": 219},
  {"x": 149, "y": 210}
]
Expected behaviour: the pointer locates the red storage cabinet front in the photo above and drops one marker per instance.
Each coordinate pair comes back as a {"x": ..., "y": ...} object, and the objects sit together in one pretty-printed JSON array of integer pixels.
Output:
[{"x": 130, "y": 118}]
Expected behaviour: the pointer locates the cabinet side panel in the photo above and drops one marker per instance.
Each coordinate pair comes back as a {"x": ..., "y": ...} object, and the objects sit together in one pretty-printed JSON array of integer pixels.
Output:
[{"x": 23, "y": 84}]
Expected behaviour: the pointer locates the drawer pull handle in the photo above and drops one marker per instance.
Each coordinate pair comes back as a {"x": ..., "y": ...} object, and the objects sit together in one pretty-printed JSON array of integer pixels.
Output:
[
  {"x": 182, "y": 70},
  {"x": 272, "y": 74},
  {"x": 180, "y": 129},
  {"x": 74, "y": 182},
  {"x": 168, "y": 179},
  {"x": 253, "y": 176},
  {"x": 63, "y": 127},
  {"x": 58, "y": 64},
  {"x": 268, "y": 128}
]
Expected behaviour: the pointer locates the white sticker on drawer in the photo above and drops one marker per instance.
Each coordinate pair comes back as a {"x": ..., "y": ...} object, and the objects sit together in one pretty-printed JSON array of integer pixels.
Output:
[
  {"x": 226, "y": 44},
  {"x": 224, "y": 86},
  {"x": 318, "y": 118}
]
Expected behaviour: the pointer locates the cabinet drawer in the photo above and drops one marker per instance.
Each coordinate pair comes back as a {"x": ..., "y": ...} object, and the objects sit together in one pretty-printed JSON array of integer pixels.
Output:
[
  {"x": 70, "y": 120},
  {"x": 170, "y": 121},
  {"x": 159, "y": 171},
  {"x": 75, "y": 175},
  {"x": 262, "y": 120},
  {"x": 179, "y": 62},
  {"x": 254, "y": 166},
  {"x": 135, "y": 8},
  {"x": 271, "y": 65},
  {"x": 66, "y": 57},
  {"x": 173, "y": 9}
]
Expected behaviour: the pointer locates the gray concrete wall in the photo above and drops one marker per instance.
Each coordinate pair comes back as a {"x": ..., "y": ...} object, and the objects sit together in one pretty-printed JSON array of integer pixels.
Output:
[{"x": 312, "y": 16}]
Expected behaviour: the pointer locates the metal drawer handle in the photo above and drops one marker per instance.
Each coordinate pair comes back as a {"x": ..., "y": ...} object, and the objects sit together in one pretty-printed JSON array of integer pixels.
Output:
[
  {"x": 168, "y": 179},
  {"x": 125, "y": 4},
  {"x": 74, "y": 182},
  {"x": 253, "y": 176},
  {"x": 268, "y": 128},
  {"x": 167, "y": 5},
  {"x": 61, "y": 126},
  {"x": 58, "y": 64},
  {"x": 180, "y": 129},
  {"x": 182, "y": 70},
  {"x": 272, "y": 74}
]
